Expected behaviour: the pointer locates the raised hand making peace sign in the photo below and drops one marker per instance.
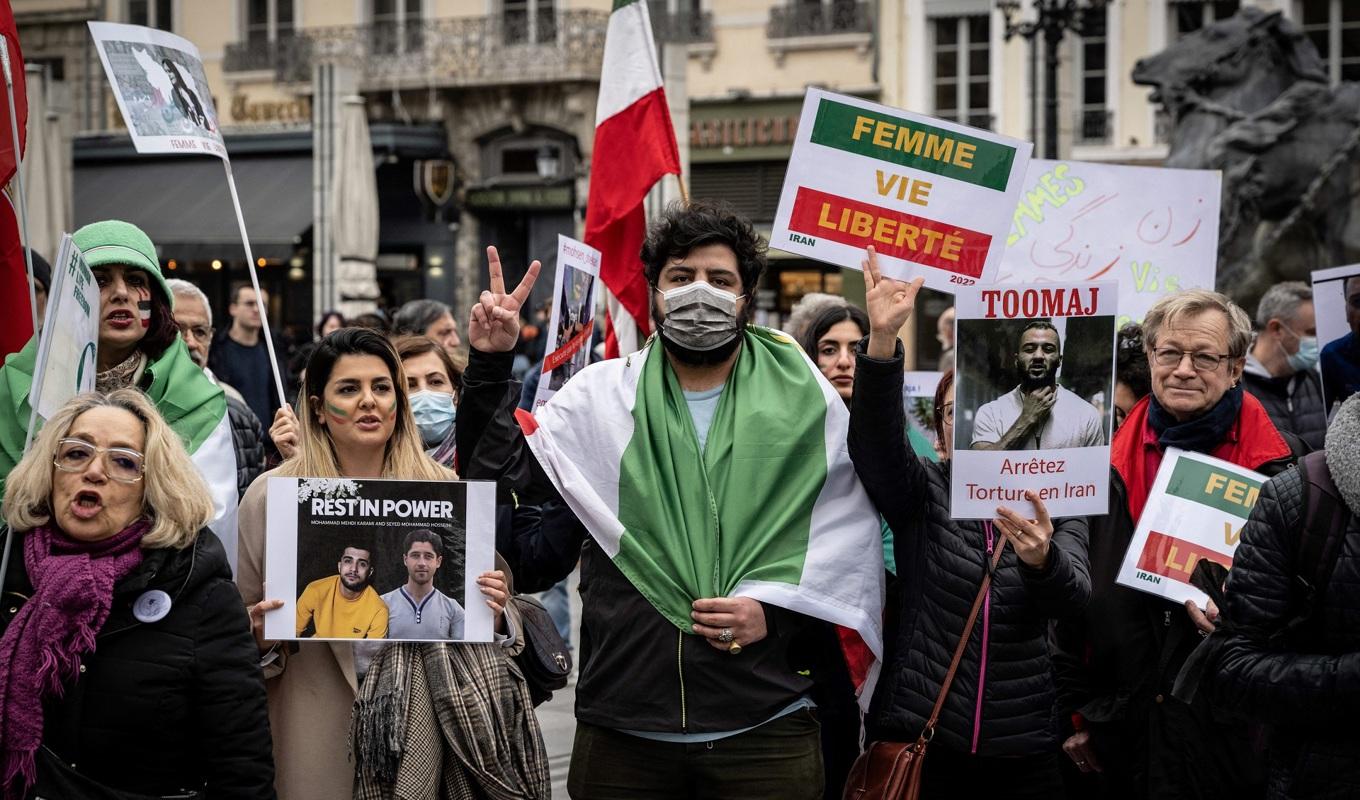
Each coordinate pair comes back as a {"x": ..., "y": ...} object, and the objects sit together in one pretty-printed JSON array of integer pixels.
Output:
[
  {"x": 493, "y": 324},
  {"x": 889, "y": 304}
]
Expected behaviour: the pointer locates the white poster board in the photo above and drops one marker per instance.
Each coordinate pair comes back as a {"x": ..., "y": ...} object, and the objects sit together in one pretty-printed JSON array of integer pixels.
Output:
[
  {"x": 1015, "y": 345},
  {"x": 328, "y": 538},
  {"x": 1336, "y": 301},
  {"x": 933, "y": 197},
  {"x": 1153, "y": 230},
  {"x": 572, "y": 326},
  {"x": 161, "y": 88},
  {"x": 1196, "y": 510},
  {"x": 918, "y": 398},
  {"x": 68, "y": 345}
]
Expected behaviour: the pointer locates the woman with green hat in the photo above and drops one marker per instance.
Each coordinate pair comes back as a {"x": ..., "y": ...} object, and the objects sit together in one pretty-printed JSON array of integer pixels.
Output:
[{"x": 139, "y": 346}]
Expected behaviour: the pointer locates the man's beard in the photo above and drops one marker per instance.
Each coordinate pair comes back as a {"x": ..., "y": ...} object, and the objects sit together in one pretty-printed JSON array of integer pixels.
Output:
[
  {"x": 1028, "y": 384},
  {"x": 703, "y": 358},
  {"x": 354, "y": 587}
]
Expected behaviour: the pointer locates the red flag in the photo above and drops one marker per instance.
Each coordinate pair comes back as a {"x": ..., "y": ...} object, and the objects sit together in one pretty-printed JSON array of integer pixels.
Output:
[
  {"x": 9, "y": 160},
  {"x": 16, "y": 318},
  {"x": 634, "y": 147}
]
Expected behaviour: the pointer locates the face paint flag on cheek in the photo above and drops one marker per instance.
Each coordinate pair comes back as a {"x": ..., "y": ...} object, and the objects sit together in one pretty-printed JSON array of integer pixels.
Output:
[{"x": 144, "y": 307}]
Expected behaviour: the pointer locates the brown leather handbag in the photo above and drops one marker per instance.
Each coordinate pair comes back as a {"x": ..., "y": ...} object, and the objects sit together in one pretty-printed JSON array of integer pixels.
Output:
[{"x": 892, "y": 770}]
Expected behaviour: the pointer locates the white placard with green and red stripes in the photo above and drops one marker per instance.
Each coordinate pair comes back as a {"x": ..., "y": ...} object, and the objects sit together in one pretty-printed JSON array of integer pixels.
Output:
[
  {"x": 1196, "y": 511},
  {"x": 933, "y": 197},
  {"x": 572, "y": 327}
]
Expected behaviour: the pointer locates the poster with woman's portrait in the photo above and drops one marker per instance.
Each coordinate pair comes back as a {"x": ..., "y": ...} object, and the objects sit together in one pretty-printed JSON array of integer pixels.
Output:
[
  {"x": 161, "y": 89},
  {"x": 1336, "y": 301}
]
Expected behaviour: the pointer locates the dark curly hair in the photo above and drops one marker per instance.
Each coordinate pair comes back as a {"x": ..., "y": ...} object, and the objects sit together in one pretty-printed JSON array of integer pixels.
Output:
[
  {"x": 1131, "y": 362},
  {"x": 162, "y": 332},
  {"x": 686, "y": 227}
]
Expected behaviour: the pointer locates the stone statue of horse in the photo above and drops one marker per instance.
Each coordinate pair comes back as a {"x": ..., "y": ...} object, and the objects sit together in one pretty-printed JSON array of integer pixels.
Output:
[{"x": 1249, "y": 96}]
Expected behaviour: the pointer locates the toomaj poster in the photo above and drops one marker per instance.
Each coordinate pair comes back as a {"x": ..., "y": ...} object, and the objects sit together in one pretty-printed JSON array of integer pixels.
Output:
[
  {"x": 1196, "y": 510},
  {"x": 934, "y": 198},
  {"x": 1032, "y": 403}
]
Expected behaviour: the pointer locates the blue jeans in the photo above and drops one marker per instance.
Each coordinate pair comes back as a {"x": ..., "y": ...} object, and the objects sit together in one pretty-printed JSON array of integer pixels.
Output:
[{"x": 558, "y": 603}]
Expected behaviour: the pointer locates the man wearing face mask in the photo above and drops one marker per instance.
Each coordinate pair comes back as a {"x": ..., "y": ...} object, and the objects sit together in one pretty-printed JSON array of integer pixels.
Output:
[
  {"x": 700, "y": 473},
  {"x": 1280, "y": 366}
]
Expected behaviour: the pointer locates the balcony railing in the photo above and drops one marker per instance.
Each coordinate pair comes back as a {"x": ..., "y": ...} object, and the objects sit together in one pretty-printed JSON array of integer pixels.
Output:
[
  {"x": 1094, "y": 126},
  {"x": 824, "y": 19},
  {"x": 681, "y": 27},
  {"x": 260, "y": 54},
  {"x": 467, "y": 51}
]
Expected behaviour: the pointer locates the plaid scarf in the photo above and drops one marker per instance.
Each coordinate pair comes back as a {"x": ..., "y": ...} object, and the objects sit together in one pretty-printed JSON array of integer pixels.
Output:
[{"x": 418, "y": 734}]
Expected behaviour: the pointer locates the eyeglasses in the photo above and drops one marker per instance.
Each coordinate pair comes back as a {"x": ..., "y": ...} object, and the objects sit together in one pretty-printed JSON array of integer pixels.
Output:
[
  {"x": 948, "y": 411},
  {"x": 120, "y": 463},
  {"x": 200, "y": 332},
  {"x": 1202, "y": 362}
]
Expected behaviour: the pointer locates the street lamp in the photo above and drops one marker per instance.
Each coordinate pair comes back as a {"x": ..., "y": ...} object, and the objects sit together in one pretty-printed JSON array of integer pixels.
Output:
[
  {"x": 1052, "y": 18},
  {"x": 547, "y": 162}
]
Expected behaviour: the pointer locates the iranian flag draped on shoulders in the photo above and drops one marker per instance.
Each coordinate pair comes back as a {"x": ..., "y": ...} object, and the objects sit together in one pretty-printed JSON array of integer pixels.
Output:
[
  {"x": 770, "y": 508},
  {"x": 634, "y": 148}
]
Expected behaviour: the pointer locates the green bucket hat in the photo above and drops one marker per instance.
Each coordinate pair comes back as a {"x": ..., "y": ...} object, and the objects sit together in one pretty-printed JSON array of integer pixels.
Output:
[{"x": 116, "y": 242}]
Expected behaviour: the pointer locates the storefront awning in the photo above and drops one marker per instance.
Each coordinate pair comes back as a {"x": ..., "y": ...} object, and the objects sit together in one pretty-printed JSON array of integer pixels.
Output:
[{"x": 184, "y": 205}]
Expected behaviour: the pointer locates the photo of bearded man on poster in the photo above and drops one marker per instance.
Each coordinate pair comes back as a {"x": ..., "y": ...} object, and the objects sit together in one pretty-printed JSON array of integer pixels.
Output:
[{"x": 1039, "y": 413}]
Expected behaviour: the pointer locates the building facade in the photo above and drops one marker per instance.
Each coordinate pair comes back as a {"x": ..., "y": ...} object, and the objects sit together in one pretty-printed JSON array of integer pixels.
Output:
[{"x": 482, "y": 115}]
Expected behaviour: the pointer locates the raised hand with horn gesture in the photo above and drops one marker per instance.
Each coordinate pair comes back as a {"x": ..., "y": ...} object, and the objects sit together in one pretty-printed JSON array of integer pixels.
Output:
[
  {"x": 889, "y": 304},
  {"x": 493, "y": 323}
]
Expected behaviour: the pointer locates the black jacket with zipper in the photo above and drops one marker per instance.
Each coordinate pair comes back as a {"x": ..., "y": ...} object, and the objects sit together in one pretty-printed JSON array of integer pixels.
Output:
[
  {"x": 940, "y": 566},
  {"x": 171, "y": 706},
  {"x": 638, "y": 671},
  {"x": 1117, "y": 663}
]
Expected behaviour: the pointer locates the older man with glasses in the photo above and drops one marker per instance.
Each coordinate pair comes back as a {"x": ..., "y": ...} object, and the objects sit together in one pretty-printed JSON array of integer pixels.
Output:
[
  {"x": 1116, "y": 663},
  {"x": 193, "y": 316}
]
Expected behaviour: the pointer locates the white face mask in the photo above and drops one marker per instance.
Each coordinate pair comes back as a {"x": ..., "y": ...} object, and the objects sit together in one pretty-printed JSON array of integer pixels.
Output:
[
  {"x": 434, "y": 413},
  {"x": 699, "y": 316}
]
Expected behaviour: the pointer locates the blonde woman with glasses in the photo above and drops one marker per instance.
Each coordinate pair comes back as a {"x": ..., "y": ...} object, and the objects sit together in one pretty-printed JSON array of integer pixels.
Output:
[
  {"x": 355, "y": 421},
  {"x": 126, "y": 663}
]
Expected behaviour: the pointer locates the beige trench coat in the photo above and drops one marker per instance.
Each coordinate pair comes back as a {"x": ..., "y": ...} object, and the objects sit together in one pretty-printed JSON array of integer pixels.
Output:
[{"x": 311, "y": 691}]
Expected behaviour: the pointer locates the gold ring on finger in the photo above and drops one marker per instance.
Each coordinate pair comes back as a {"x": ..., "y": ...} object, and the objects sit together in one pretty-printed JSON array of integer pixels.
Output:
[{"x": 734, "y": 649}]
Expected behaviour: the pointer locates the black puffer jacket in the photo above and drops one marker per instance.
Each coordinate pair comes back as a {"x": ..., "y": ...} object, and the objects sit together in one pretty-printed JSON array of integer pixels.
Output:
[
  {"x": 941, "y": 563},
  {"x": 1307, "y": 690},
  {"x": 1117, "y": 663},
  {"x": 247, "y": 438},
  {"x": 170, "y": 705}
]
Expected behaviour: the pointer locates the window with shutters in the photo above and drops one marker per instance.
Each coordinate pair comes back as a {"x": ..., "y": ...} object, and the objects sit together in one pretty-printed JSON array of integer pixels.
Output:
[
  {"x": 1333, "y": 26},
  {"x": 752, "y": 187},
  {"x": 962, "y": 64},
  {"x": 1188, "y": 16}
]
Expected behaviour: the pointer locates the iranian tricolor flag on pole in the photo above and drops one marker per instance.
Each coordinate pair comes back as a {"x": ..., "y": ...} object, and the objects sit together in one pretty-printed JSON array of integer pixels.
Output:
[{"x": 634, "y": 147}]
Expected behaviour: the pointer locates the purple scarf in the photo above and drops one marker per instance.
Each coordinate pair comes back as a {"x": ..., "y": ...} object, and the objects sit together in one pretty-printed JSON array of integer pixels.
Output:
[{"x": 41, "y": 650}]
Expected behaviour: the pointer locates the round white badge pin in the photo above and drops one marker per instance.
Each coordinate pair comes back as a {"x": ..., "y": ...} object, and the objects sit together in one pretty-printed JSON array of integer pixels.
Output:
[{"x": 152, "y": 606}]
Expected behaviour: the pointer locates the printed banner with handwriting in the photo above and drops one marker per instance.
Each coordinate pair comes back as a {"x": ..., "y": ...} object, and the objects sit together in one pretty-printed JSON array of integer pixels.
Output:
[
  {"x": 1034, "y": 398},
  {"x": 1153, "y": 230},
  {"x": 1195, "y": 511},
  {"x": 933, "y": 197}
]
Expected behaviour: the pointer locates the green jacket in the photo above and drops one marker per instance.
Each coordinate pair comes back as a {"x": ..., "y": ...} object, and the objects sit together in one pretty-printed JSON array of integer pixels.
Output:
[{"x": 190, "y": 403}]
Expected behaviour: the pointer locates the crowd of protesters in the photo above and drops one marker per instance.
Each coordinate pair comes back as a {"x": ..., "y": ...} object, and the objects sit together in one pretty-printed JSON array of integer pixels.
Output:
[{"x": 133, "y": 660}]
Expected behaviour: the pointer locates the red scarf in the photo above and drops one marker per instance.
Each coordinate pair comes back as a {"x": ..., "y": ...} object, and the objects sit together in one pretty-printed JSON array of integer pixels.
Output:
[{"x": 1136, "y": 454}]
